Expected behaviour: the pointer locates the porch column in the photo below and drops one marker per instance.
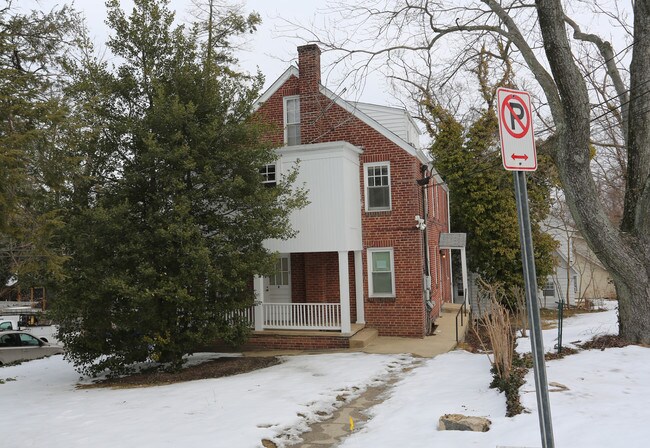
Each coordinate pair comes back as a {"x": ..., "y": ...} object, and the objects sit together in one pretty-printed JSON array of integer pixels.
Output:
[
  {"x": 358, "y": 283},
  {"x": 463, "y": 262},
  {"x": 258, "y": 286},
  {"x": 344, "y": 292},
  {"x": 451, "y": 277}
]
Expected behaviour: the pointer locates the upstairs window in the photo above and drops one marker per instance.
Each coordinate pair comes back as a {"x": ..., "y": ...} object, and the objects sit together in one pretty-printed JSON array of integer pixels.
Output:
[
  {"x": 292, "y": 120},
  {"x": 268, "y": 175},
  {"x": 377, "y": 180}
]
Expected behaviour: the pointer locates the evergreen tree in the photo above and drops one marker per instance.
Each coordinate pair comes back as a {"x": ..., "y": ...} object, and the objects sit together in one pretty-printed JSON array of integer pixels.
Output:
[
  {"x": 166, "y": 230},
  {"x": 482, "y": 202},
  {"x": 34, "y": 160}
]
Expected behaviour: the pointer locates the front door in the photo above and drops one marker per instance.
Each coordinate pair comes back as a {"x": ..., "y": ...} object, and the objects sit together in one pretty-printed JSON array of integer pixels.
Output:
[{"x": 278, "y": 286}]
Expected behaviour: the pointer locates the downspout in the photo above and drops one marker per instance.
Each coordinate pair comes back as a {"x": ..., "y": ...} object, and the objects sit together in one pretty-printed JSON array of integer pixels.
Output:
[
  {"x": 451, "y": 271},
  {"x": 425, "y": 216},
  {"x": 422, "y": 226}
]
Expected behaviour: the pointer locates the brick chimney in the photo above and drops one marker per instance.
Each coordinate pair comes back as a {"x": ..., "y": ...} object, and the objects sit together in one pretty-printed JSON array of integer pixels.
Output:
[{"x": 309, "y": 68}]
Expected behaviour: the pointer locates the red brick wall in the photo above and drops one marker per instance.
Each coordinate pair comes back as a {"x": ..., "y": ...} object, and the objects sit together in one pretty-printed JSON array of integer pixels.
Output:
[
  {"x": 269, "y": 341},
  {"x": 315, "y": 279},
  {"x": 284, "y": 341},
  {"x": 298, "y": 279},
  {"x": 438, "y": 223},
  {"x": 323, "y": 121}
]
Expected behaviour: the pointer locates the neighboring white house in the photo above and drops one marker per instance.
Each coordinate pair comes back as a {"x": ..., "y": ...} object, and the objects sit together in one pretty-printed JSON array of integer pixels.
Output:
[{"x": 578, "y": 275}]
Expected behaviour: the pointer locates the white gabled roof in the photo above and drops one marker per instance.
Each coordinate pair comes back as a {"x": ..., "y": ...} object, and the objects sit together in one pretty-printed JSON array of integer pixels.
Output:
[{"x": 351, "y": 108}]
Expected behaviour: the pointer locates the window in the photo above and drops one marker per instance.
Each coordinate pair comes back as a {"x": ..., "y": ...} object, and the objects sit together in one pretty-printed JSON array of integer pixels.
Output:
[
  {"x": 377, "y": 179},
  {"x": 292, "y": 120},
  {"x": 27, "y": 340},
  {"x": 549, "y": 288},
  {"x": 9, "y": 340},
  {"x": 281, "y": 277},
  {"x": 381, "y": 275},
  {"x": 268, "y": 175}
]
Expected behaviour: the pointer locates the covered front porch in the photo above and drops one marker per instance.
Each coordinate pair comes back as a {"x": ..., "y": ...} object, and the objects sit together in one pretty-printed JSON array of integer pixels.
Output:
[
  {"x": 311, "y": 291},
  {"x": 318, "y": 283}
]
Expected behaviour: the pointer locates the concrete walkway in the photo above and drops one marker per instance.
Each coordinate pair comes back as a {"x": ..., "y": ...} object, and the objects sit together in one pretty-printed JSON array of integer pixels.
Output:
[
  {"x": 442, "y": 341},
  {"x": 330, "y": 432}
]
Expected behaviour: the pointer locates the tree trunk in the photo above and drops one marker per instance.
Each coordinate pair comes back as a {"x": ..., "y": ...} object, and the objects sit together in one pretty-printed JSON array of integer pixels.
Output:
[{"x": 626, "y": 252}]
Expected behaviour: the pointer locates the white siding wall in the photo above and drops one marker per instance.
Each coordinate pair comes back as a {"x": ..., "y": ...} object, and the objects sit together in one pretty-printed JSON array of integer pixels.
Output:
[
  {"x": 395, "y": 120},
  {"x": 559, "y": 279},
  {"x": 332, "y": 219}
]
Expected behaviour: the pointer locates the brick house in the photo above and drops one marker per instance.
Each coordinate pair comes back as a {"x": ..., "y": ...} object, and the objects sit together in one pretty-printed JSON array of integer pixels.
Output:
[{"x": 361, "y": 258}]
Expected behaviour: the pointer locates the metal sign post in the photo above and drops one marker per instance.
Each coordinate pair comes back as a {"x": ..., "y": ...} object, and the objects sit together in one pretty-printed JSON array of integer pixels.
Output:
[
  {"x": 536, "y": 341},
  {"x": 519, "y": 155}
]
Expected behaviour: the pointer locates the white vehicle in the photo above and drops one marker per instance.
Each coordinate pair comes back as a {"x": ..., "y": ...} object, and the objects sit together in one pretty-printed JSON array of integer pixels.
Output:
[{"x": 28, "y": 321}]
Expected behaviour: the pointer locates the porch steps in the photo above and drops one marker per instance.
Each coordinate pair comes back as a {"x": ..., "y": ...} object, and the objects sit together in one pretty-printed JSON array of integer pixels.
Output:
[
  {"x": 450, "y": 318},
  {"x": 362, "y": 338}
]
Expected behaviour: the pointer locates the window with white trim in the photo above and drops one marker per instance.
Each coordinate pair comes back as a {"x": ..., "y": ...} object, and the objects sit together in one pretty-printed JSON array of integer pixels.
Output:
[
  {"x": 292, "y": 120},
  {"x": 549, "y": 288},
  {"x": 268, "y": 175},
  {"x": 377, "y": 181},
  {"x": 281, "y": 276},
  {"x": 381, "y": 272}
]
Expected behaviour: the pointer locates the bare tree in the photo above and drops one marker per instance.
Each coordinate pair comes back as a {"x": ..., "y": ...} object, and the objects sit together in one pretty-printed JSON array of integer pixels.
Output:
[{"x": 550, "y": 48}]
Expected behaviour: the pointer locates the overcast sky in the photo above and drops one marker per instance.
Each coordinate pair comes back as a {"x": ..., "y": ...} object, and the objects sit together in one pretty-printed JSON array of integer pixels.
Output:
[
  {"x": 272, "y": 49},
  {"x": 269, "y": 48}
]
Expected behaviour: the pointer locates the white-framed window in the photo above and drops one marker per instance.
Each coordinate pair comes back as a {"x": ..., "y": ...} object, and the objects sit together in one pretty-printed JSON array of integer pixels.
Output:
[
  {"x": 282, "y": 271},
  {"x": 292, "y": 120},
  {"x": 549, "y": 288},
  {"x": 376, "y": 178},
  {"x": 381, "y": 272},
  {"x": 268, "y": 173}
]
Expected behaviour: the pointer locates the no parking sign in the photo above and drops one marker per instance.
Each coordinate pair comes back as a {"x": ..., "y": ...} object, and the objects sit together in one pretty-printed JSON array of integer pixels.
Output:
[{"x": 516, "y": 130}]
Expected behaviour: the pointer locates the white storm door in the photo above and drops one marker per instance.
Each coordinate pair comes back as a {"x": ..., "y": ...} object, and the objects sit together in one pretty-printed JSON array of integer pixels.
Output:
[{"x": 278, "y": 286}]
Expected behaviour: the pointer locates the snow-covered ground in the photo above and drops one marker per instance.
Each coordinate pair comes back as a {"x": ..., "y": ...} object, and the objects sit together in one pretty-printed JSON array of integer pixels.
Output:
[
  {"x": 578, "y": 329},
  {"x": 44, "y": 409},
  {"x": 603, "y": 405}
]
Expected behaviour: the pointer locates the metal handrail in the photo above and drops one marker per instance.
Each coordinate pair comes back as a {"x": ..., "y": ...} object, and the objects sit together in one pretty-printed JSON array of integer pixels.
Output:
[{"x": 462, "y": 311}]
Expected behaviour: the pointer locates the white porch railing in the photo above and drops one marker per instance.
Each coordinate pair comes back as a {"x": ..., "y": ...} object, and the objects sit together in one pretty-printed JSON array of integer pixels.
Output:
[
  {"x": 294, "y": 316},
  {"x": 246, "y": 314},
  {"x": 302, "y": 316}
]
